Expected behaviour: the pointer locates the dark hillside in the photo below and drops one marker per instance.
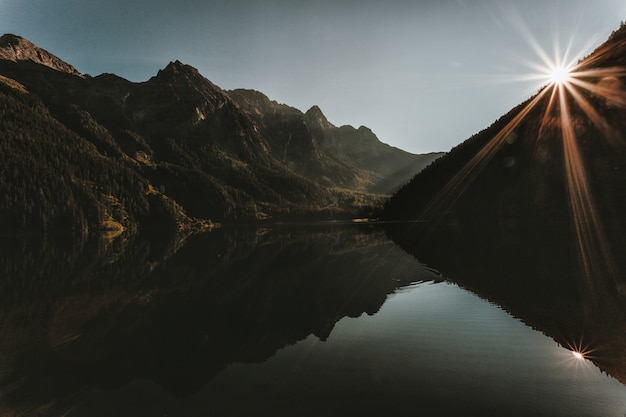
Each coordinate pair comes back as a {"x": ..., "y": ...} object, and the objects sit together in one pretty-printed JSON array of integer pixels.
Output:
[
  {"x": 523, "y": 166},
  {"x": 530, "y": 213},
  {"x": 53, "y": 178}
]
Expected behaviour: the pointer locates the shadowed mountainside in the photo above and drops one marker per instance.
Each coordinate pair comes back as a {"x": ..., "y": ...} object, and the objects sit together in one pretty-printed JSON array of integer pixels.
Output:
[{"x": 529, "y": 213}]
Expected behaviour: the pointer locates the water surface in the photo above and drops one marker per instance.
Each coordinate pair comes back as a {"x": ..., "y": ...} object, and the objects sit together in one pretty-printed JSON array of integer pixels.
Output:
[{"x": 276, "y": 321}]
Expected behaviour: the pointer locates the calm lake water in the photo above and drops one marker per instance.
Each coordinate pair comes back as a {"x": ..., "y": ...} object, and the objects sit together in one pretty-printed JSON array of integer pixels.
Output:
[{"x": 287, "y": 320}]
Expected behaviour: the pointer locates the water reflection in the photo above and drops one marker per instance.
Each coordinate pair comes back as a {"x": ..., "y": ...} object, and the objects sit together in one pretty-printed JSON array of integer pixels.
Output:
[
  {"x": 84, "y": 314},
  {"x": 432, "y": 349},
  {"x": 332, "y": 319},
  {"x": 530, "y": 266}
]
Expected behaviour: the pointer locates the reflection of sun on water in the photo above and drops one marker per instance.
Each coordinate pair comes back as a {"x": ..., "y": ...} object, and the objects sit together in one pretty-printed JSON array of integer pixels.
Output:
[{"x": 581, "y": 353}]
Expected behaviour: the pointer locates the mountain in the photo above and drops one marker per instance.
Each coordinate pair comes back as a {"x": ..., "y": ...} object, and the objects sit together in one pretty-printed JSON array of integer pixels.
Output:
[
  {"x": 15, "y": 48},
  {"x": 554, "y": 158},
  {"x": 82, "y": 152},
  {"x": 332, "y": 156},
  {"x": 529, "y": 213}
]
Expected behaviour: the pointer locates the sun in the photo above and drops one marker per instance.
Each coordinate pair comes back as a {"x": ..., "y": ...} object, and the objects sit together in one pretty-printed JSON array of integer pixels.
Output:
[{"x": 560, "y": 75}]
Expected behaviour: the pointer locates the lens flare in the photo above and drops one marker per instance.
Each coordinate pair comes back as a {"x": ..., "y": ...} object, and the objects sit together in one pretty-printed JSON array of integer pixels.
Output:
[
  {"x": 569, "y": 89},
  {"x": 581, "y": 351},
  {"x": 559, "y": 75}
]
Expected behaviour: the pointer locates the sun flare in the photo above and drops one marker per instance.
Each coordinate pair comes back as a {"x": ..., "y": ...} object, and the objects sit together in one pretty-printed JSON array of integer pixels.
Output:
[
  {"x": 580, "y": 353},
  {"x": 568, "y": 90},
  {"x": 560, "y": 75}
]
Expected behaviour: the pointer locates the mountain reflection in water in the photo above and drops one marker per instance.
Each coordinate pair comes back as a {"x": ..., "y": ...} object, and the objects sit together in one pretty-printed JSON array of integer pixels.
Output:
[
  {"x": 270, "y": 321},
  {"x": 531, "y": 266}
]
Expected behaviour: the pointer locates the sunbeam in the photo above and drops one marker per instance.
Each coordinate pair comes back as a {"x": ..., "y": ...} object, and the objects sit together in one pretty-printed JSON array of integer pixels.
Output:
[
  {"x": 446, "y": 197},
  {"x": 580, "y": 350},
  {"x": 560, "y": 75},
  {"x": 570, "y": 91},
  {"x": 593, "y": 248},
  {"x": 564, "y": 82}
]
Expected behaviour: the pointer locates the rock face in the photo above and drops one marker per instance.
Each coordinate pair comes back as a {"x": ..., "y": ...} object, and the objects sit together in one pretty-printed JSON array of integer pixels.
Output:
[
  {"x": 169, "y": 150},
  {"x": 15, "y": 48}
]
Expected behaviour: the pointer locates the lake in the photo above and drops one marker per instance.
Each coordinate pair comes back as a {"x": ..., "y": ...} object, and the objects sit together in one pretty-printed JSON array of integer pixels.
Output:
[{"x": 331, "y": 319}]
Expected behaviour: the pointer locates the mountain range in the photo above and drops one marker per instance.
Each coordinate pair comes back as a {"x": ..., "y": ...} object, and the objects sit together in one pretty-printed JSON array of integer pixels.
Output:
[{"x": 84, "y": 153}]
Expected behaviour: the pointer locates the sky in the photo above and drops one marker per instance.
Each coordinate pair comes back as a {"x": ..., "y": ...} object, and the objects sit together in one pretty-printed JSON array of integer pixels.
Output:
[{"x": 423, "y": 75}]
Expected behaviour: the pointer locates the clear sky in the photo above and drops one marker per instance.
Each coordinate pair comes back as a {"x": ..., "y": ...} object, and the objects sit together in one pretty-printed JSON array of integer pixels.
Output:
[{"x": 423, "y": 75}]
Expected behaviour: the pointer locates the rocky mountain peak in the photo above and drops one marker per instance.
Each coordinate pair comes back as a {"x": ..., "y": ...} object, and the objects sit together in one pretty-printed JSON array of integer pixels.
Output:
[
  {"x": 315, "y": 118},
  {"x": 176, "y": 70},
  {"x": 187, "y": 80},
  {"x": 15, "y": 48},
  {"x": 251, "y": 101},
  {"x": 177, "y": 66}
]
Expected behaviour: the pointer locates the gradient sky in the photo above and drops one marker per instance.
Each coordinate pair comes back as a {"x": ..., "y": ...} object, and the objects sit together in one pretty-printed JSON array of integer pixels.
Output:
[{"x": 423, "y": 75}]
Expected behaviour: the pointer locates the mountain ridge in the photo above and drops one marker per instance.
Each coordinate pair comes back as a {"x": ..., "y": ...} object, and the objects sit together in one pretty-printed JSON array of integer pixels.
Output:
[
  {"x": 15, "y": 48},
  {"x": 356, "y": 156},
  {"x": 192, "y": 150}
]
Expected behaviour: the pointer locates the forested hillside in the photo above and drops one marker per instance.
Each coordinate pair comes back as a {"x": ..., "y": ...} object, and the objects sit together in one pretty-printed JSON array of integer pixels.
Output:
[{"x": 102, "y": 153}]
